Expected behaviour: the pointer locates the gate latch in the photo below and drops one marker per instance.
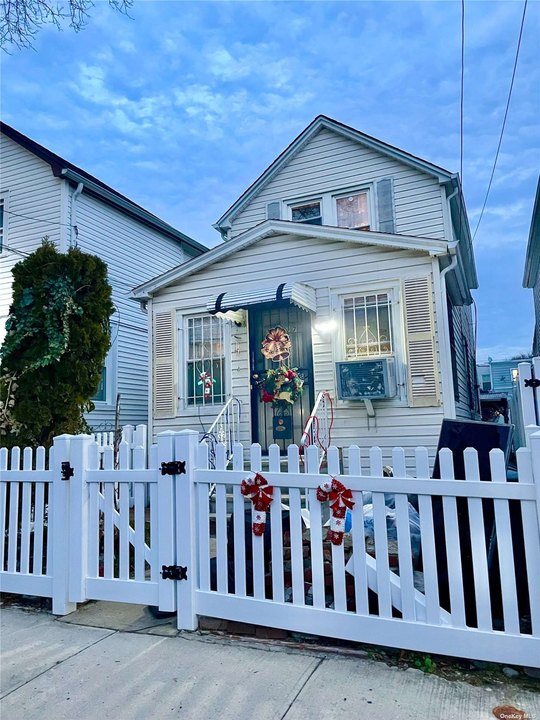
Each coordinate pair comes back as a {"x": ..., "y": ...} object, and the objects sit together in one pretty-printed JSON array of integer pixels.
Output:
[
  {"x": 532, "y": 383},
  {"x": 67, "y": 471},
  {"x": 173, "y": 468},
  {"x": 174, "y": 572}
]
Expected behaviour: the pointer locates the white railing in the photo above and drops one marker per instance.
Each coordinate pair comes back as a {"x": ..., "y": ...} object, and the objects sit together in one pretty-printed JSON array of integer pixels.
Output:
[
  {"x": 225, "y": 429},
  {"x": 318, "y": 429}
]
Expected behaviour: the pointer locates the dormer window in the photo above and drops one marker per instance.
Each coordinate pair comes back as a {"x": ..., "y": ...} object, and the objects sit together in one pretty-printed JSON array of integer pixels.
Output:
[
  {"x": 307, "y": 213},
  {"x": 352, "y": 211}
]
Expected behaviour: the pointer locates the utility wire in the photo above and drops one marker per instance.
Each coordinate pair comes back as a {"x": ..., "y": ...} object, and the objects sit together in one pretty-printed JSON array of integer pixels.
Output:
[
  {"x": 461, "y": 115},
  {"x": 39, "y": 220},
  {"x": 504, "y": 118}
]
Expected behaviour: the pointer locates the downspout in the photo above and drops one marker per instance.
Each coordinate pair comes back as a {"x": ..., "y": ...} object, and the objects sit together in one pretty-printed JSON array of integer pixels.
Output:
[{"x": 73, "y": 215}]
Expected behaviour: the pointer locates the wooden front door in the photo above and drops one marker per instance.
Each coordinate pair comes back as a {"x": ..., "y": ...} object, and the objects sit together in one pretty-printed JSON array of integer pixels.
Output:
[{"x": 276, "y": 425}]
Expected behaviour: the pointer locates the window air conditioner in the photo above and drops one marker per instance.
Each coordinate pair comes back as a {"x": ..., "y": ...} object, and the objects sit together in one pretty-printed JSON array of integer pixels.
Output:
[{"x": 366, "y": 379}]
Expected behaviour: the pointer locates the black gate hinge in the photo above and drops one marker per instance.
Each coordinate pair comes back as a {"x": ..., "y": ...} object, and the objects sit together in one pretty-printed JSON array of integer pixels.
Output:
[
  {"x": 532, "y": 383},
  {"x": 67, "y": 471},
  {"x": 174, "y": 572},
  {"x": 173, "y": 468}
]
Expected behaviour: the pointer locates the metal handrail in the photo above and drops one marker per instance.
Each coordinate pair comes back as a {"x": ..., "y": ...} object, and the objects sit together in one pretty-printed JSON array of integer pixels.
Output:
[
  {"x": 225, "y": 429},
  {"x": 319, "y": 425}
]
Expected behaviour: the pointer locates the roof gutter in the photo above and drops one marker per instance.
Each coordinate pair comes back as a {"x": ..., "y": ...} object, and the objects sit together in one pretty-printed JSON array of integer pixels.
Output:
[{"x": 132, "y": 209}]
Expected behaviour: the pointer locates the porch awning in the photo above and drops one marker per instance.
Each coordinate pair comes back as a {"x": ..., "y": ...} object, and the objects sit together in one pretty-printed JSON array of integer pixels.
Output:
[{"x": 294, "y": 293}]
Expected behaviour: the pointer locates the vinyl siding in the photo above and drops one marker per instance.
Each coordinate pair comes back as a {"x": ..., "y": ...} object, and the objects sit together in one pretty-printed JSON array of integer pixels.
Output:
[
  {"x": 330, "y": 163},
  {"x": 134, "y": 253},
  {"x": 536, "y": 334},
  {"x": 30, "y": 189},
  {"x": 464, "y": 331},
  {"x": 332, "y": 268}
]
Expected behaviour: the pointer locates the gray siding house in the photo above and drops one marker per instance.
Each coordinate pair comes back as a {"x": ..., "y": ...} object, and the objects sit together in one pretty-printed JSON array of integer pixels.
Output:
[
  {"x": 42, "y": 194},
  {"x": 362, "y": 254},
  {"x": 531, "y": 278}
]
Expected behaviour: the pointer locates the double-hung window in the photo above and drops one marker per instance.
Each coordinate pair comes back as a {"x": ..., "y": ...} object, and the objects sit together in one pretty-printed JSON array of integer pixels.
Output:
[
  {"x": 352, "y": 211},
  {"x": 367, "y": 324},
  {"x": 204, "y": 361}
]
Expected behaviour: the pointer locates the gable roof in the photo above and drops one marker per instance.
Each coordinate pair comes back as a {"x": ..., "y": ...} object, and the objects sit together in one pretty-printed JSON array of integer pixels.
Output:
[
  {"x": 270, "y": 228},
  {"x": 63, "y": 169},
  {"x": 532, "y": 257},
  {"x": 320, "y": 122}
]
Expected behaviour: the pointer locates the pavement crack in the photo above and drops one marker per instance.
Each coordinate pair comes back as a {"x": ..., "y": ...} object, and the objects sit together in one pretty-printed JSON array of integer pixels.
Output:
[
  {"x": 57, "y": 663},
  {"x": 308, "y": 678}
]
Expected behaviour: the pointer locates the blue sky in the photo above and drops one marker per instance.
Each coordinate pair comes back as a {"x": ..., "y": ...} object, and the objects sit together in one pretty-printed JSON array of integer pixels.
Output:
[{"x": 181, "y": 106}]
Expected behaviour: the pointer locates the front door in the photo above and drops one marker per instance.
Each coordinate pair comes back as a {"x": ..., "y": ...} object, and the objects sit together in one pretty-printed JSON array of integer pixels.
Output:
[{"x": 269, "y": 424}]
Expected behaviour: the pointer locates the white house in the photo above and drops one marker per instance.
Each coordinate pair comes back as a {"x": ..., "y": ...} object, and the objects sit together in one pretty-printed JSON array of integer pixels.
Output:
[
  {"x": 362, "y": 253},
  {"x": 42, "y": 194},
  {"x": 531, "y": 278}
]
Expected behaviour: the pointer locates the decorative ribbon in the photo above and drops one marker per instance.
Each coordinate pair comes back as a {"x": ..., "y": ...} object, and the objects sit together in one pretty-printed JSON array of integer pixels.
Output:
[
  {"x": 257, "y": 489},
  {"x": 341, "y": 500}
]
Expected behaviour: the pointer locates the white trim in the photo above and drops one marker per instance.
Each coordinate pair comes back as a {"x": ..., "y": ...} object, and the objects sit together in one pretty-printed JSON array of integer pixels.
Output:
[
  {"x": 208, "y": 409},
  {"x": 111, "y": 376},
  {"x": 442, "y": 341},
  {"x": 4, "y": 240},
  {"x": 394, "y": 290},
  {"x": 270, "y": 228},
  {"x": 150, "y": 326}
]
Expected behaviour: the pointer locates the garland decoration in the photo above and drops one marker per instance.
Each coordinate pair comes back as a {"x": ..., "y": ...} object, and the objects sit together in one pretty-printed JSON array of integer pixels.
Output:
[
  {"x": 341, "y": 500},
  {"x": 282, "y": 386},
  {"x": 257, "y": 489}
]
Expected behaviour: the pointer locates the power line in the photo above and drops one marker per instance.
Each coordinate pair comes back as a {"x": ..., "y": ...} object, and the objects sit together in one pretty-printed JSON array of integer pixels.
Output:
[
  {"x": 39, "y": 220},
  {"x": 504, "y": 118},
  {"x": 14, "y": 250}
]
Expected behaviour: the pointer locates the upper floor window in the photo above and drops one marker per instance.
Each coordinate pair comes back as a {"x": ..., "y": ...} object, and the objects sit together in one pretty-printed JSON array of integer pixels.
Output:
[
  {"x": 367, "y": 325},
  {"x": 308, "y": 213},
  {"x": 352, "y": 211},
  {"x": 205, "y": 361}
]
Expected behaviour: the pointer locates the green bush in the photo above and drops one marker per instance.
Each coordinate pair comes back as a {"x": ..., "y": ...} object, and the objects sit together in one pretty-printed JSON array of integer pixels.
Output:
[{"x": 58, "y": 335}]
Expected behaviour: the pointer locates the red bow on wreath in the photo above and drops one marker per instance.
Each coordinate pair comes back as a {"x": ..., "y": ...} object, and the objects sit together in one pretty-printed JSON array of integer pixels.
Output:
[
  {"x": 260, "y": 493},
  {"x": 341, "y": 500}
]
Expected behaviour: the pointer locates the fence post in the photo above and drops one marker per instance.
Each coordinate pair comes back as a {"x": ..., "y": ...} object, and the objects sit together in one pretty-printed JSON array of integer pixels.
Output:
[
  {"x": 535, "y": 458},
  {"x": 59, "y": 525},
  {"x": 187, "y": 442},
  {"x": 166, "y": 521},
  {"x": 527, "y": 394},
  {"x": 78, "y": 518}
]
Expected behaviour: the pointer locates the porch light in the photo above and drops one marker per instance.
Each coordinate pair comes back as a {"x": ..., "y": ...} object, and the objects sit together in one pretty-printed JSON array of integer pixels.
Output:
[{"x": 326, "y": 328}]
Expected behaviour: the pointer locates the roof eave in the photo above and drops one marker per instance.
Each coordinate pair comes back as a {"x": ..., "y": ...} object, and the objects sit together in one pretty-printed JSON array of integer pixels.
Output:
[
  {"x": 268, "y": 228},
  {"x": 132, "y": 209},
  {"x": 532, "y": 256},
  {"x": 314, "y": 127}
]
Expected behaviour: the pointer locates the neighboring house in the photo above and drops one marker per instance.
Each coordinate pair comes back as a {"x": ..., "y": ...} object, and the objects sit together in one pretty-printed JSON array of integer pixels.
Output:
[
  {"x": 497, "y": 383},
  {"x": 362, "y": 253},
  {"x": 41, "y": 194},
  {"x": 531, "y": 278}
]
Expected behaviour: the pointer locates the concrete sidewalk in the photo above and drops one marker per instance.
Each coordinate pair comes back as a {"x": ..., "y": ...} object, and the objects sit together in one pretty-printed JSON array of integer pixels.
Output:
[{"x": 99, "y": 663}]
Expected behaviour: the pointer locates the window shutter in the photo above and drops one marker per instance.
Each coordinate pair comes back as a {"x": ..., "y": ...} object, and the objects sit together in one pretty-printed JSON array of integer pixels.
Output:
[
  {"x": 163, "y": 366},
  {"x": 423, "y": 376},
  {"x": 385, "y": 205},
  {"x": 273, "y": 210}
]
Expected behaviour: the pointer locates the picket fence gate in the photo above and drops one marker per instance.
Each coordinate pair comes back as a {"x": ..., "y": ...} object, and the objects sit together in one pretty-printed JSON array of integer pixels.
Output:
[{"x": 71, "y": 533}]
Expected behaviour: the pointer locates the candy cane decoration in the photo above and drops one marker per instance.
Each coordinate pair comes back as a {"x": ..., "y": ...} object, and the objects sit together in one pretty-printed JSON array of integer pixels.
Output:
[
  {"x": 341, "y": 500},
  {"x": 257, "y": 489}
]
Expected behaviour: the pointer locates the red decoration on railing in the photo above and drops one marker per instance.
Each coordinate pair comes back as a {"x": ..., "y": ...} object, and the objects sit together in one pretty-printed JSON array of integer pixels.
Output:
[
  {"x": 341, "y": 500},
  {"x": 257, "y": 489}
]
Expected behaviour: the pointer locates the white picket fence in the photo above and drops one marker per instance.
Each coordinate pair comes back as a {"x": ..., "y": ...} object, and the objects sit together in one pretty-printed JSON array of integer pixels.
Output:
[{"x": 472, "y": 591}]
